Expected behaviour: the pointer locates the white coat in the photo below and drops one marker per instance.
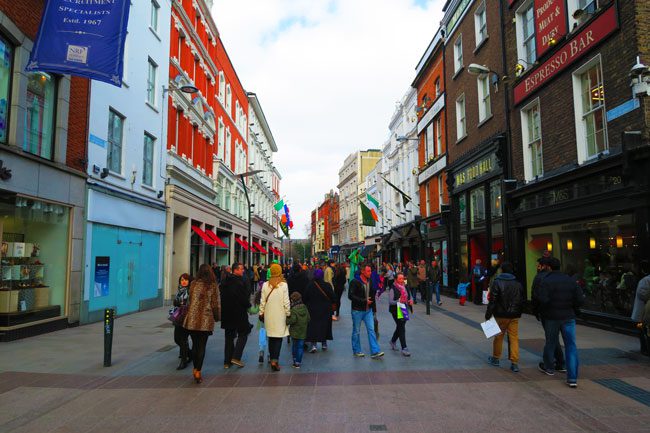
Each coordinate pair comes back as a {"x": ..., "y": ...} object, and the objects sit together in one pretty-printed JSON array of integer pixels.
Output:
[{"x": 275, "y": 310}]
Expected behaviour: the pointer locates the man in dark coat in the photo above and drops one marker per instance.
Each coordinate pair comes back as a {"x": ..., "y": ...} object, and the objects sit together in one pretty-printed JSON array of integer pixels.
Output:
[
  {"x": 235, "y": 301},
  {"x": 543, "y": 270},
  {"x": 319, "y": 297},
  {"x": 506, "y": 305},
  {"x": 298, "y": 280},
  {"x": 559, "y": 298}
]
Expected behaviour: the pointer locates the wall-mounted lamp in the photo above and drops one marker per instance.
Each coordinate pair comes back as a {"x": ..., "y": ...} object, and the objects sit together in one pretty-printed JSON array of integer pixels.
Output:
[
  {"x": 476, "y": 69},
  {"x": 619, "y": 241},
  {"x": 569, "y": 245},
  {"x": 549, "y": 246},
  {"x": 592, "y": 243}
]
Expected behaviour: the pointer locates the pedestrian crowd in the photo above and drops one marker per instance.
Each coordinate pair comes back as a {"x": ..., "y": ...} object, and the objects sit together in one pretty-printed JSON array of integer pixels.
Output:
[{"x": 300, "y": 302}]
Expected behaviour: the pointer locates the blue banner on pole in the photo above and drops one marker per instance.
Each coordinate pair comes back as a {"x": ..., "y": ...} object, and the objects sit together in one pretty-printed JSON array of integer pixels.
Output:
[{"x": 82, "y": 37}]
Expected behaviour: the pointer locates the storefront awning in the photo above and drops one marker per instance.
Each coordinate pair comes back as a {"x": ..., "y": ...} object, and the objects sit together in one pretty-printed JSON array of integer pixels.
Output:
[
  {"x": 207, "y": 239},
  {"x": 276, "y": 251},
  {"x": 243, "y": 244},
  {"x": 259, "y": 248},
  {"x": 219, "y": 243}
]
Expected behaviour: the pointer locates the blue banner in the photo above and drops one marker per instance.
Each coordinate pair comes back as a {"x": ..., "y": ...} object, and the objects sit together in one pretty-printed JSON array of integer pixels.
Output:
[{"x": 82, "y": 37}]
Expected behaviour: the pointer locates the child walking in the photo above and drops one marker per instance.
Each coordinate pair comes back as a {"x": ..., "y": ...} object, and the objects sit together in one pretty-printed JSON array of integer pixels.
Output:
[
  {"x": 461, "y": 290},
  {"x": 297, "y": 321}
]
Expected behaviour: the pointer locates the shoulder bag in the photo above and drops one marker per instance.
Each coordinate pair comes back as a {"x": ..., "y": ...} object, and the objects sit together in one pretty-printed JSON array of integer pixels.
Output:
[
  {"x": 326, "y": 297},
  {"x": 265, "y": 301}
]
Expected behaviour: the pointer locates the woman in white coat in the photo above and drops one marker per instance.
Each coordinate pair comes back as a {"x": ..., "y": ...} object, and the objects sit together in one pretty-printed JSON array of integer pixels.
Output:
[{"x": 274, "y": 310}]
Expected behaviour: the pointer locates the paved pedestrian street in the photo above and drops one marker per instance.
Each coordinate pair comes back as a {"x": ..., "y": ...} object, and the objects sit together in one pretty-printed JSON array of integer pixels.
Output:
[{"x": 56, "y": 383}]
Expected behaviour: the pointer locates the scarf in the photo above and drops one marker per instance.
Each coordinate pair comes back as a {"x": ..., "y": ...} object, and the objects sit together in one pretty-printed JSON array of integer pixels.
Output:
[{"x": 403, "y": 296}]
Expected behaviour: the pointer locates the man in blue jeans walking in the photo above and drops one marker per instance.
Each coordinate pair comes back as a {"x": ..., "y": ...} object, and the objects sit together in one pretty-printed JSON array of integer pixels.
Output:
[
  {"x": 559, "y": 299},
  {"x": 362, "y": 294}
]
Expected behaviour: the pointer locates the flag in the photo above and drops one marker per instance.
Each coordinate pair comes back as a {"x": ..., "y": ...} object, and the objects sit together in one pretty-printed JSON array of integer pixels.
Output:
[
  {"x": 366, "y": 215},
  {"x": 373, "y": 205},
  {"x": 285, "y": 229},
  {"x": 279, "y": 205},
  {"x": 286, "y": 212},
  {"x": 405, "y": 198}
]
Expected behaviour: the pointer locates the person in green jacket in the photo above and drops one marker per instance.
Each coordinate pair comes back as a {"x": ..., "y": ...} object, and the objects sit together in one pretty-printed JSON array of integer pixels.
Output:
[{"x": 298, "y": 321}]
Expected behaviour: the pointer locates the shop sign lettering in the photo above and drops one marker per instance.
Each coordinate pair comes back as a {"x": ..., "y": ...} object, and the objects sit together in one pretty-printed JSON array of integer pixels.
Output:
[
  {"x": 460, "y": 9},
  {"x": 474, "y": 171},
  {"x": 583, "y": 42},
  {"x": 550, "y": 22}
]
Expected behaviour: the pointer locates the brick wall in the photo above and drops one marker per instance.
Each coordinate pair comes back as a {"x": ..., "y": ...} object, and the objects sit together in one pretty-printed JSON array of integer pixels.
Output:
[
  {"x": 642, "y": 23},
  {"x": 26, "y": 14},
  {"x": 77, "y": 151},
  {"x": 488, "y": 54},
  {"x": 618, "y": 53}
]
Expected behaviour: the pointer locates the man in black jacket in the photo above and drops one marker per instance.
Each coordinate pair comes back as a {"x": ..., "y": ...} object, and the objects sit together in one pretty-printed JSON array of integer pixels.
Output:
[
  {"x": 543, "y": 269},
  {"x": 298, "y": 280},
  {"x": 362, "y": 294},
  {"x": 559, "y": 298},
  {"x": 235, "y": 301},
  {"x": 506, "y": 305}
]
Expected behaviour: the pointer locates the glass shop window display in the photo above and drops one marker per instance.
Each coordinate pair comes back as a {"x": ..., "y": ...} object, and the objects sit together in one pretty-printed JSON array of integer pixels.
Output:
[{"x": 34, "y": 259}]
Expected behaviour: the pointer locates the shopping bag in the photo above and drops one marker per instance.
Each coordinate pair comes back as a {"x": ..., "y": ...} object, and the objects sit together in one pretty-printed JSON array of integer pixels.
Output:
[
  {"x": 402, "y": 308},
  {"x": 262, "y": 337},
  {"x": 485, "y": 297},
  {"x": 491, "y": 328}
]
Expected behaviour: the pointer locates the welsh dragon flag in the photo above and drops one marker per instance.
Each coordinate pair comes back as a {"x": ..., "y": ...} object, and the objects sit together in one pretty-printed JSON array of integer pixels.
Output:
[{"x": 373, "y": 205}]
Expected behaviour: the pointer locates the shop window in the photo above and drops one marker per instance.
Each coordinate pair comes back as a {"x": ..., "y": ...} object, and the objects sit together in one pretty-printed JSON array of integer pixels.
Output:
[
  {"x": 429, "y": 136},
  {"x": 222, "y": 88},
  {"x": 589, "y": 97},
  {"x": 480, "y": 24},
  {"x": 6, "y": 66},
  {"x": 531, "y": 130},
  {"x": 39, "y": 114},
  {"x": 438, "y": 137},
  {"x": 602, "y": 255},
  {"x": 462, "y": 210},
  {"x": 34, "y": 264},
  {"x": 484, "y": 104},
  {"x": 441, "y": 193},
  {"x": 437, "y": 87},
  {"x": 526, "y": 50},
  {"x": 496, "y": 205},
  {"x": 458, "y": 54},
  {"x": 461, "y": 129},
  {"x": 147, "y": 160},
  {"x": 115, "y": 137},
  {"x": 477, "y": 207}
]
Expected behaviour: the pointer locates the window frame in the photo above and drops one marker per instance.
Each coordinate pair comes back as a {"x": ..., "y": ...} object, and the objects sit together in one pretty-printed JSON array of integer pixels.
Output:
[
  {"x": 484, "y": 98},
  {"x": 55, "y": 79},
  {"x": 152, "y": 140},
  {"x": 529, "y": 143},
  {"x": 480, "y": 31},
  {"x": 438, "y": 140},
  {"x": 458, "y": 49},
  {"x": 152, "y": 94},
  {"x": 429, "y": 147},
  {"x": 154, "y": 16},
  {"x": 522, "y": 39},
  {"x": 110, "y": 143},
  {"x": 461, "y": 120}
]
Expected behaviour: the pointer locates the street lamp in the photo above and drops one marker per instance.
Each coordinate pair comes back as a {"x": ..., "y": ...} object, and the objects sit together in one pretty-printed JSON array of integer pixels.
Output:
[
  {"x": 476, "y": 69},
  {"x": 402, "y": 139},
  {"x": 250, "y": 210}
]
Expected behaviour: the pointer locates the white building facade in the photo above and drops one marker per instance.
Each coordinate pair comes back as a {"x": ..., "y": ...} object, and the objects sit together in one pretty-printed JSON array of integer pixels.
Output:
[{"x": 126, "y": 169}]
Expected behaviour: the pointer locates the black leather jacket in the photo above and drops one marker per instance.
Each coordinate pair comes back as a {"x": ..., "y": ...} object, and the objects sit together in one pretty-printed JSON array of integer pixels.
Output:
[
  {"x": 506, "y": 298},
  {"x": 357, "y": 295}
]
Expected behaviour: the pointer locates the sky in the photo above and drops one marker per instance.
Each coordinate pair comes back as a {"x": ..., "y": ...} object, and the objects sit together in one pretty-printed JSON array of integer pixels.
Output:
[{"x": 328, "y": 74}]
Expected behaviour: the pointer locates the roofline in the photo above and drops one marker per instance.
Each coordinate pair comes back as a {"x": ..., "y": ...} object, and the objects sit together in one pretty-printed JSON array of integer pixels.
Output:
[
  {"x": 427, "y": 56},
  {"x": 257, "y": 107}
]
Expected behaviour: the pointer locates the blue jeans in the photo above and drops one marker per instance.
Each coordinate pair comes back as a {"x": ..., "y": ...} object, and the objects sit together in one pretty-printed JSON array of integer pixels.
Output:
[
  {"x": 297, "y": 349},
  {"x": 367, "y": 318},
  {"x": 568, "y": 330},
  {"x": 436, "y": 288}
]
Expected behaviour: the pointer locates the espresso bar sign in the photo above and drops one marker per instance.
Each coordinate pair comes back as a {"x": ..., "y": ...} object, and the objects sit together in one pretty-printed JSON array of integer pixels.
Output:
[
  {"x": 573, "y": 50},
  {"x": 550, "y": 23}
]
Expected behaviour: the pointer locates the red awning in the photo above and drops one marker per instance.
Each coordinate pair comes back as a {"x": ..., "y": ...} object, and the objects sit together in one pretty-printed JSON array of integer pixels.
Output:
[
  {"x": 259, "y": 248},
  {"x": 276, "y": 251},
  {"x": 207, "y": 239},
  {"x": 219, "y": 243},
  {"x": 243, "y": 244}
]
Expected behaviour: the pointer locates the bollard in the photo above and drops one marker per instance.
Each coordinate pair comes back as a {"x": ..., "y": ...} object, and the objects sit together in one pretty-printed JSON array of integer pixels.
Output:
[
  {"x": 428, "y": 290},
  {"x": 109, "y": 319}
]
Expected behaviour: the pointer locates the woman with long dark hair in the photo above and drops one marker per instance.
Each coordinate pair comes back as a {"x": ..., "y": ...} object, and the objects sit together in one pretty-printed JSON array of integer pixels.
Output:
[
  {"x": 182, "y": 335},
  {"x": 398, "y": 293},
  {"x": 318, "y": 298},
  {"x": 339, "y": 281},
  {"x": 204, "y": 309}
]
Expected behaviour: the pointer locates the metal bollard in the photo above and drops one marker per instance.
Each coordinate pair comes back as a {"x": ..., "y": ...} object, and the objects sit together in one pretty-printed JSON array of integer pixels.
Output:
[
  {"x": 109, "y": 319},
  {"x": 429, "y": 294}
]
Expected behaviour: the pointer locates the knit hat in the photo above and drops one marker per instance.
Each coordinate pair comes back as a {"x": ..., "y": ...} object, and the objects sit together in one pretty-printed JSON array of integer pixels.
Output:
[
  {"x": 276, "y": 270},
  {"x": 295, "y": 296}
]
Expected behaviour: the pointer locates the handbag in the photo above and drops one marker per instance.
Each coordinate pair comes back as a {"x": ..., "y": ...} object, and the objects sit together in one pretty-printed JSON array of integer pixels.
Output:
[
  {"x": 325, "y": 294},
  {"x": 177, "y": 315},
  {"x": 261, "y": 316}
]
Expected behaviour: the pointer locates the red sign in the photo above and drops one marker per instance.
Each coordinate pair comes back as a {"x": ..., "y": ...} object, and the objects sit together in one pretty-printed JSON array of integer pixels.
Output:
[
  {"x": 550, "y": 23},
  {"x": 571, "y": 51}
]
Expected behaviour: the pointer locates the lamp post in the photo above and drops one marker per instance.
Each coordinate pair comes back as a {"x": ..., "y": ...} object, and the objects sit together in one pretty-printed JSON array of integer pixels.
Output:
[{"x": 250, "y": 210}]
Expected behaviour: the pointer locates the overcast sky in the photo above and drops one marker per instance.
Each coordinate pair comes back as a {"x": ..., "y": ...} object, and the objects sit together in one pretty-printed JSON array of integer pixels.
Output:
[{"x": 328, "y": 74}]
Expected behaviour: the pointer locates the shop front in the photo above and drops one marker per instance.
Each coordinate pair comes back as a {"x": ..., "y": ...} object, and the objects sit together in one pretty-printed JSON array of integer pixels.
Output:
[
  {"x": 436, "y": 243},
  {"x": 594, "y": 219},
  {"x": 477, "y": 214}
]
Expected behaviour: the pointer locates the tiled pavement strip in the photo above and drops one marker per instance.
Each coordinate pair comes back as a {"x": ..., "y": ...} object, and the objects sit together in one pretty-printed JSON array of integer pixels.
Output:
[{"x": 56, "y": 382}]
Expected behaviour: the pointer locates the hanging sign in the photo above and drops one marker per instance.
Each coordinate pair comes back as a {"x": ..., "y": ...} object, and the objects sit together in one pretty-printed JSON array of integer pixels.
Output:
[
  {"x": 550, "y": 23},
  {"x": 82, "y": 37}
]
